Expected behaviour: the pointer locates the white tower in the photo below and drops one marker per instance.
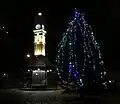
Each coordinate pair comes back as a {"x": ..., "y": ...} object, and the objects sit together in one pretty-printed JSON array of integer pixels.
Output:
[{"x": 39, "y": 38}]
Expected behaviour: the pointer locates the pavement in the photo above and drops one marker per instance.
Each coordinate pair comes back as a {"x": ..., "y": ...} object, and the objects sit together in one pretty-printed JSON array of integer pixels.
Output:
[
  {"x": 17, "y": 96},
  {"x": 39, "y": 89}
]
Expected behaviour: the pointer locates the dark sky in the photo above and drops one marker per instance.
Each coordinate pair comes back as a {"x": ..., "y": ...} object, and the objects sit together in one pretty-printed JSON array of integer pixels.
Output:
[{"x": 103, "y": 16}]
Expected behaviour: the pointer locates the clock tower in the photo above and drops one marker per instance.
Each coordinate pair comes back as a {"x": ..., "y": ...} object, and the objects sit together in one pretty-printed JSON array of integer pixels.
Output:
[
  {"x": 39, "y": 67},
  {"x": 39, "y": 36}
]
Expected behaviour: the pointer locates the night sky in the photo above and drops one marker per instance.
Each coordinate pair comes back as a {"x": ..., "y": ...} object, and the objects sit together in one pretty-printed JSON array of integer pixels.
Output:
[{"x": 103, "y": 16}]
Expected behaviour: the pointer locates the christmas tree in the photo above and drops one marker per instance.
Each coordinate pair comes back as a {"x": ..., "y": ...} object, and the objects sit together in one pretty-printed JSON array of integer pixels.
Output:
[{"x": 79, "y": 61}]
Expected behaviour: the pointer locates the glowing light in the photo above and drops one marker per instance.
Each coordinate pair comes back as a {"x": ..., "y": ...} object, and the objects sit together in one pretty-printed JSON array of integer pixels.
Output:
[
  {"x": 4, "y": 74},
  {"x": 42, "y": 71},
  {"x": 104, "y": 73},
  {"x": 110, "y": 81},
  {"x": 36, "y": 73},
  {"x": 40, "y": 14},
  {"x": 28, "y": 70},
  {"x": 43, "y": 27},
  {"x": 28, "y": 55}
]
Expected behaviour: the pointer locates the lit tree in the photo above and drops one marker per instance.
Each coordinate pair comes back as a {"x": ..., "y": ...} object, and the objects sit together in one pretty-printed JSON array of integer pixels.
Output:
[{"x": 79, "y": 61}]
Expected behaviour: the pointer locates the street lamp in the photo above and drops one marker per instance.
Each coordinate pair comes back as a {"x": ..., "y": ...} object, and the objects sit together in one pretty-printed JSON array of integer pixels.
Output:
[{"x": 28, "y": 55}]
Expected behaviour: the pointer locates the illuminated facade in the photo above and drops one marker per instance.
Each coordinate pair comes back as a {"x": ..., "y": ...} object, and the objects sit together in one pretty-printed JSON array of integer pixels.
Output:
[{"x": 39, "y": 39}]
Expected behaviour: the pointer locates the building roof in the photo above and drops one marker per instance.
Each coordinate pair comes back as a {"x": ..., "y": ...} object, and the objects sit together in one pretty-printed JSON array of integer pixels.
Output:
[{"x": 40, "y": 61}]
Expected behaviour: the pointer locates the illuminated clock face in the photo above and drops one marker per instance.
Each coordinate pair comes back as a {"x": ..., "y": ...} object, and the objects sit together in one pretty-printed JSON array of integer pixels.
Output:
[{"x": 37, "y": 26}]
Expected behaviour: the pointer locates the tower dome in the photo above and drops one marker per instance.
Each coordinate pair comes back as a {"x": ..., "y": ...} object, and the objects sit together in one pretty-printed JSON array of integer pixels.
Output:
[{"x": 39, "y": 18}]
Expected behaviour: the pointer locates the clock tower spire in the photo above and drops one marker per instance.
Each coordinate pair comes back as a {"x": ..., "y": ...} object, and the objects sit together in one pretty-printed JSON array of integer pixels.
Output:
[{"x": 39, "y": 35}]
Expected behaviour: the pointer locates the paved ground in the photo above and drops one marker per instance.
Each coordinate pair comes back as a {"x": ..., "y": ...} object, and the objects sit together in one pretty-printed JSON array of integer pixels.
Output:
[{"x": 15, "y": 96}]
